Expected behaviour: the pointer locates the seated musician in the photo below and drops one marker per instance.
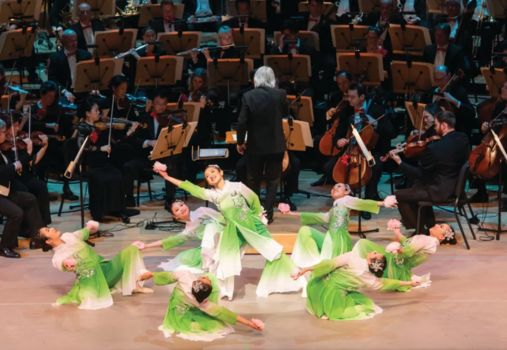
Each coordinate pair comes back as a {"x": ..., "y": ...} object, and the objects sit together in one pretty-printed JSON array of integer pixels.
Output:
[
  {"x": 104, "y": 180},
  {"x": 443, "y": 52},
  {"x": 500, "y": 62},
  {"x": 361, "y": 110},
  {"x": 62, "y": 65},
  {"x": 344, "y": 9},
  {"x": 457, "y": 97},
  {"x": 156, "y": 119},
  {"x": 225, "y": 40},
  {"x": 290, "y": 32},
  {"x": 417, "y": 6},
  {"x": 316, "y": 21},
  {"x": 167, "y": 24},
  {"x": 436, "y": 174},
  {"x": 26, "y": 179},
  {"x": 459, "y": 21},
  {"x": 336, "y": 99},
  {"x": 374, "y": 44},
  {"x": 149, "y": 36},
  {"x": 278, "y": 11},
  {"x": 16, "y": 101},
  {"x": 19, "y": 208},
  {"x": 55, "y": 14},
  {"x": 243, "y": 9},
  {"x": 86, "y": 28},
  {"x": 382, "y": 19}
]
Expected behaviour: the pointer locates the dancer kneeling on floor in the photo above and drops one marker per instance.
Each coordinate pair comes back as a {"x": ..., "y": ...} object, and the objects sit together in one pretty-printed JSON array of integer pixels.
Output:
[
  {"x": 313, "y": 246},
  {"x": 193, "y": 312},
  {"x": 95, "y": 275},
  {"x": 408, "y": 253},
  {"x": 334, "y": 284}
]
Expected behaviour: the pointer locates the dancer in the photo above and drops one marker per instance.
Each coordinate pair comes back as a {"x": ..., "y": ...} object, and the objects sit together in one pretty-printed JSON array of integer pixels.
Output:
[
  {"x": 412, "y": 252},
  {"x": 202, "y": 224},
  {"x": 241, "y": 207},
  {"x": 95, "y": 275},
  {"x": 313, "y": 246},
  {"x": 332, "y": 289},
  {"x": 193, "y": 310}
]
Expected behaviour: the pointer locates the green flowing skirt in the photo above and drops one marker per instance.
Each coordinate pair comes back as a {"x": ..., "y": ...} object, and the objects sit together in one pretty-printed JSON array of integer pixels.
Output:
[{"x": 189, "y": 259}]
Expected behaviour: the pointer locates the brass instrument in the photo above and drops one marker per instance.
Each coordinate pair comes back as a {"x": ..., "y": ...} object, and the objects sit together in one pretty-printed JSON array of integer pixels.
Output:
[
  {"x": 66, "y": 14},
  {"x": 133, "y": 7}
]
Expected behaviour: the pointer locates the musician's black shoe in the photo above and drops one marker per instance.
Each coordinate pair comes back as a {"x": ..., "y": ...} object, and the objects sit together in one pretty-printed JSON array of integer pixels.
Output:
[
  {"x": 270, "y": 220},
  {"x": 130, "y": 212},
  {"x": 9, "y": 253},
  {"x": 292, "y": 206},
  {"x": 68, "y": 195},
  {"x": 36, "y": 242},
  {"x": 320, "y": 182},
  {"x": 479, "y": 197},
  {"x": 365, "y": 215}
]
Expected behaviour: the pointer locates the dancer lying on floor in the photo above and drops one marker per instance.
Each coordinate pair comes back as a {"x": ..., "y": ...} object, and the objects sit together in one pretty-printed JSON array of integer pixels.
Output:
[
  {"x": 412, "y": 252},
  {"x": 203, "y": 224},
  {"x": 241, "y": 208},
  {"x": 334, "y": 284},
  {"x": 193, "y": 312},
  {"x": 95, "y": 276},
  {"x": 313, "y": 246}
]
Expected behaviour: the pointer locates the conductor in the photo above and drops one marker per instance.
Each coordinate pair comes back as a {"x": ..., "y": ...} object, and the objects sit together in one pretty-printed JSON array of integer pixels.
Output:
[{"x": 262, "y": 112}]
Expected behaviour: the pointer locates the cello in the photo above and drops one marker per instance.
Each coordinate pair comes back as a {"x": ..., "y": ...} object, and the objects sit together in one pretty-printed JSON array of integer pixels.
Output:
[{"x": 327, "y": 144}]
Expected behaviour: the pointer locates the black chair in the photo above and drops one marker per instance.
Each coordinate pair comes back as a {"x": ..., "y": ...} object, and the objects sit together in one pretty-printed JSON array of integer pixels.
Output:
[
  {"x": 144, "y": 177},
  {"x": 458, "y": 203}
]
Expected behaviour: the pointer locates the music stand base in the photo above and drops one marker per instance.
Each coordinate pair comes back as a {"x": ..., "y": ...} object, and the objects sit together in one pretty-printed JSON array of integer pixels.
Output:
[{"x": 361, "y": 232}]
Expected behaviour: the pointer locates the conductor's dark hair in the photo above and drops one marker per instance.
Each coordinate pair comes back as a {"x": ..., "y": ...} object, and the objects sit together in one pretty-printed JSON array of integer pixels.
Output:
[
  {"x": 161, "y": 93},
  {"x": 203, "y": 293},
  {"x": 445, "y": 27},
  {"x": 344, "y": 73},
  {"x": 291, "y": 26},
  {"x": 47, "y": 86},
  {"x": 242, "y": 1},
  {"x": 446, "y": 117},
  {"x": 166, "y": 2},
  {"x": 376, "y": 30},
  {"x": 433, "y": 109},
  {"x": 360, "y": 88},
  {"x": 117, "y": 80},
  {"x": 378, "y": 273}
]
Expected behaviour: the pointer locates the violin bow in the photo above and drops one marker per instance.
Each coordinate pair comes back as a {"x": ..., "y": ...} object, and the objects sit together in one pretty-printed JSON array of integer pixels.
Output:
[
  {"x": 16, "y": 156},
  {"x": 369, "y": 124},
  {"x": 111, "y": 127},
  {"x": 135, "y": 93}
]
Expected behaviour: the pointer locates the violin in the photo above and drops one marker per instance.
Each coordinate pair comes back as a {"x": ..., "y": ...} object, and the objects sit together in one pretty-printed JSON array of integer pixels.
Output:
[
  {"x": 130, "y": 100},
  {"x": 117, "y": 124},
  {"x": 69, "y": 109},
  {"x": 327, "y": 145},
  {"x": 455, "y": 79},
  {"x": 18, "y": 143}
]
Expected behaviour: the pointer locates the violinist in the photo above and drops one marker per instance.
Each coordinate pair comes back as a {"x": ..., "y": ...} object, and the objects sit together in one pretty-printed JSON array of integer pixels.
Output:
[
  {"x": 337, "y": 100},
  {"x": 166, "y": 23},
  {"x": 456, "y": 96},
  {"x": 225, "y": 40},
  {"x": 26, "y": 179},
  {"x": 459, "y": 18},
  {"x": 156, "y": 118},
  {"x": 19, "y": 208},
  {"x": 435, "y": 175},
  {"x": 500, "y": 62},
  {"x": 16, "y": 101},
  {"x": 105, "y": 181}
]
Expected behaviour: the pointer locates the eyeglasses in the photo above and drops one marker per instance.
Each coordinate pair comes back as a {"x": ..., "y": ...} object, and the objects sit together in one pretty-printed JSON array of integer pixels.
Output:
[{"x": 440, "y": 79}]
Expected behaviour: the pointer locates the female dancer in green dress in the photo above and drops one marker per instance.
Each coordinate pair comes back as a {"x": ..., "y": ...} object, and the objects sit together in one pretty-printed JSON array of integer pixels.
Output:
[
  {"x": 203, "y": 224},
  {"x": 313, "y": 246},
  {"x": 241, "y": 208},
  {"x": 412, "y": 252},
  {"x": 334, "y": 284},
  {"x": 193, "y": 312},
  {"x": 95, "y": 276}
]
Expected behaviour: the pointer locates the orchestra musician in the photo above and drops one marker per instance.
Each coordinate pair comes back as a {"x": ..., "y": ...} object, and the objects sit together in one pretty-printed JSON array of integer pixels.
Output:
[
  {"x": 243, "y": 9},
  {"x": 500, "y": 62},
  {"x": 314, "y": 20},
  {"x": 343, "y": 15},
  {"x": 86, "y": 28},
  {"x": 225, "y": 40},
  {"x": 386, "y": 15},
  {"x": 167, "y": 24},
  {"x": 277, "y": 11},
  {"x": 290, "y": 32},
  {"x": 62, "y": 65},
  {"x": 417, "y": 6}
]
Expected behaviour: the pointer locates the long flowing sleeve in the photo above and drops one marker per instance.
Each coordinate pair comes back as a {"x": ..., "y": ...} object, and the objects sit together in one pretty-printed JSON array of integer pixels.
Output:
[
  {"x": 194, "y": 190},
  {"x": 360, "y": 204},
  {"x": 82, "y": 234},
  {"x": 219, "y": 312},
  {"x": 328, "y": 266},
  {"x": 408, "y": 250},
  {"x": 314, "y": 218},
  {"x": 252, "y": 199},
  {"x": 163, "y": 278},
  {"x": 174, "y": 241},
  {"x": 385, "y": 284}
]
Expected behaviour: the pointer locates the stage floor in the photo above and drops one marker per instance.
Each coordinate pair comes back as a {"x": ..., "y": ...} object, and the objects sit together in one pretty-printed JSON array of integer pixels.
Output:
[{"x": 465, "y": 308}]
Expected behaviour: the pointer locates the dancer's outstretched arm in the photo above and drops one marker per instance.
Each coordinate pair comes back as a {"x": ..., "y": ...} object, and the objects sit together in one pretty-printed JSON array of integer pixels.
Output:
[{"x": 194, "y": 190}]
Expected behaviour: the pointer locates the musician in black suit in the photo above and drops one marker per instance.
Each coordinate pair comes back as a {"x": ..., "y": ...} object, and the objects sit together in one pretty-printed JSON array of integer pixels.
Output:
[
  {"x": 262, "y": 113},
  {"x": 417, "y": 6},
  {"x": 279, "y": 10},
  {"x": 382, "y": 18},
  {"x": 290, "y": 32},
  {"x": 225, "y": 40},
  {"x": 315, "y": 21},
  {"x": 343, "y": 12},
  {"x": 243, "y": 9},
  {"x": 62, "y": 64},
  {"x": 436, "y": 175},
  {"x": 166, "y": 23},
  {"x": 445, "y": 53},
  {"x": 18, "y": 207},
  {"x": 85, "y": 28},
  {"x": 55, "y": 13},
  {"x": 145, "y": 139},
  {"x": 456, "y": 95}
]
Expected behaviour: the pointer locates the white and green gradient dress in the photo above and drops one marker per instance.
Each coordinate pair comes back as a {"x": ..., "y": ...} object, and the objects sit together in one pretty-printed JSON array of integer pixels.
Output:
[
  {"x": 190, "y": 319},
  {"x": 242, "y": 210},
  {"x": 206, "y": 225},
  {"x": 313, "y": 246},
  {"x": 333, "y": 289},
  {"x": 416, "y": 251},
  {"x": 96, "y": 277}
]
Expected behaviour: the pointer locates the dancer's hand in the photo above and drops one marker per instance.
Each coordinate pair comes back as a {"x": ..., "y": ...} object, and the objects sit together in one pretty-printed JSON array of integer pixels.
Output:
[
  {"x": 146, "y": 276},
  {"x": 390, "y": 202},
  {"x": 256, "y": 324},
  {"x": 92, "y": 226},
  {"x": 139, "y": 245},
  {"x": 415, "y": 284},
  {"x": 69, "y": 263}
]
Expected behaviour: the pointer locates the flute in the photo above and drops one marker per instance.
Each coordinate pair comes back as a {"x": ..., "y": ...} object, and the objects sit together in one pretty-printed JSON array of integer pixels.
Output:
[
  {"x": 129, "y": 52},
  {"x": 201, "y": 50}
]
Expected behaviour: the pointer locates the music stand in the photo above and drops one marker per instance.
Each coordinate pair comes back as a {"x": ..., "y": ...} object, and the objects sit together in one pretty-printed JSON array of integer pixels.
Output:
[
  {"x": 254, "y": 39},
  {"x": 437, "y": 6},
  {"x": 157, "y": 71},
  {"x": 303, "y": 108},
  {"x": 4, "y": 102},
  {"x": 409, "y": 78},
  {"x": 328, "y": 6},
  {"x": 298, "y": 135},
  {"x": 257, "y": 9},
  {"x": 359, "y": 64},
  {"x": 290, "y": 68},
  {"x": 112, "y": 42},
  {"x": 100, "y": 8},
  {"x": 495, "y": 79},
  {"x": 231, "y": 137},
  {"x": 21, "y": 8},
  {"x": 227, "y": 72},
  {"x": 416, "y": 114},
  {"x": 16, "y": 44},
  {"x": 367, "y": 6},
  {"x": 309, "y": 38},
  {"x": 497, "y": 8},
  {"x": 349, "y": 37},
  {"x": 96, "y": 74},
  {"x": 190, "y": 109},
  {"x": 172, "y": 139},
  {"x": 176, "y": 42},
  {"x": 407, "y": 38}
]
